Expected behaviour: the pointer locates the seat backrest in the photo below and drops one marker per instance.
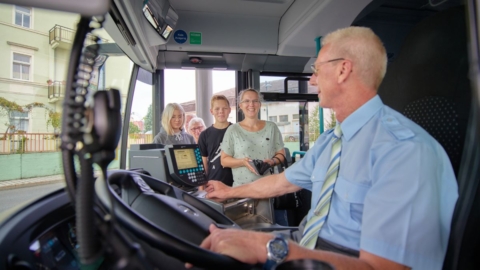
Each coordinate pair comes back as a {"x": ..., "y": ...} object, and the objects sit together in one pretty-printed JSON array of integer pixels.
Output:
[
  {"x": 437, "y": 115},
  {"x": 429, "y": 82}
]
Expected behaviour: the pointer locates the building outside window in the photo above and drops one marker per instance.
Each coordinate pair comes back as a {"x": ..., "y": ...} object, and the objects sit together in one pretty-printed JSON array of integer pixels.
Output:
[
  {"x": 23, "y": 16},
  {"x": 272, "y": 118},
  {"x": 295, "y": 116},
  {"x": 283, "y": 118},
  {"x": 21, "y": 66},
  {"x": 19, "y": 120}
]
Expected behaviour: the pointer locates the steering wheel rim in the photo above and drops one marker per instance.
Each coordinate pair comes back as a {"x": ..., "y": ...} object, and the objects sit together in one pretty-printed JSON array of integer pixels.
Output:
[{"x": 156, "y": 236}]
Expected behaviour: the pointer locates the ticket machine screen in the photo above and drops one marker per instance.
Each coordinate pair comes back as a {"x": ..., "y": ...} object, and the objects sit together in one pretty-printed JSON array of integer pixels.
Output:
[
  {"x": 185, "y": 164},
  {"x": 185, "y": 158}
]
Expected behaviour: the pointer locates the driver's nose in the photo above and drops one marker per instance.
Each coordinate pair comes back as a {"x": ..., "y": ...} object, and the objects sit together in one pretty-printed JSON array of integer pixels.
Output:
[{"x": 313, "y": 79}]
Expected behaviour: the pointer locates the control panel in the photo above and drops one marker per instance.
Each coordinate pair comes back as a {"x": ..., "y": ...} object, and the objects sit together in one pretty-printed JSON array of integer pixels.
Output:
[{"x": 185, "y": 164}]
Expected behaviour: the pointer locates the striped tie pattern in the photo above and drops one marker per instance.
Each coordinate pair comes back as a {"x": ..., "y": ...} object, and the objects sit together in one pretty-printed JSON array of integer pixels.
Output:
[{"x": 315, "y": 223}]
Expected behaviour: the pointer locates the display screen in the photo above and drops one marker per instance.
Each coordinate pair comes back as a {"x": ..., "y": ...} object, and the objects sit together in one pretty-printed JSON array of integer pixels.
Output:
[
  {"x": 167, "y": 32},
  {"x": 56, "y": 249},
  {"x": 185, "y": 158},
  {"x": 151, "y": 19}
]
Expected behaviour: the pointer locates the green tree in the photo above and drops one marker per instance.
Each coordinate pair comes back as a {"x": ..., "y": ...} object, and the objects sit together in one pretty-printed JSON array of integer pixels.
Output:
[
  {"x": 148, "y": 119},
  {"x": 314, "y": 123},
  {"x": 332, "y": 121},
  {"x": 133, "y": 129},
  {"x": 54, "y": 120}
]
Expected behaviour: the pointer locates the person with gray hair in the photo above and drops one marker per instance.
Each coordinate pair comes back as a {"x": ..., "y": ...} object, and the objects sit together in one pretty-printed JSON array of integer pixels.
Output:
[
  {"x": 195, "y": 127},
  {"x": 383, "y": 189},
  {"x": 173, "y": 120}
]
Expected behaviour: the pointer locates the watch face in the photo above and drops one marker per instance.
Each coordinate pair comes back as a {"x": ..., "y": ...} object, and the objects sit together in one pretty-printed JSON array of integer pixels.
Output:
[{"x": 279, "y": 248}]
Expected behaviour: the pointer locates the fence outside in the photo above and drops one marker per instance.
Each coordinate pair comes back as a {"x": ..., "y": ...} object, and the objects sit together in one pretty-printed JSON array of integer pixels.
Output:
[
  {"x": 17, "y": 143},
  {"x": 21, "y": 143},
  {"x": 139, "y": 139}
]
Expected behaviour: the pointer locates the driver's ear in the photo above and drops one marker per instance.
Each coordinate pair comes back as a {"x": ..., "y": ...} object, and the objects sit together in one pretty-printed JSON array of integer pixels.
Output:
[{"x": 344, "y": 70}]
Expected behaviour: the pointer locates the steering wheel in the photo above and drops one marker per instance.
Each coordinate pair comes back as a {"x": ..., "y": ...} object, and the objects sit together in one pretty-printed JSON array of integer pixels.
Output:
[{"x": 165, "y": 217}]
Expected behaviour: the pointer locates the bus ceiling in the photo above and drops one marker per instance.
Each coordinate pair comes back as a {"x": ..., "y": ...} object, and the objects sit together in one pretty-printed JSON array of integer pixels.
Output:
[{"x": 248, "y": 34}]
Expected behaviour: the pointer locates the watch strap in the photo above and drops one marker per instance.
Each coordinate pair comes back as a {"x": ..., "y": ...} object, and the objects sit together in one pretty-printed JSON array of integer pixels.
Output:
[{"x": 270, "y": 263}]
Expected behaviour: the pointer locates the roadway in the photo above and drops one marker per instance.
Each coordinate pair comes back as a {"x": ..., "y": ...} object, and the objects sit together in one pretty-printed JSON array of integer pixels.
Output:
[{"x": 12, "y": 197}]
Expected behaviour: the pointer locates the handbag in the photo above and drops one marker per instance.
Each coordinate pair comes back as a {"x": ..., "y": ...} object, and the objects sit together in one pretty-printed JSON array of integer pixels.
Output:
[{"x": 290, "y": 200}]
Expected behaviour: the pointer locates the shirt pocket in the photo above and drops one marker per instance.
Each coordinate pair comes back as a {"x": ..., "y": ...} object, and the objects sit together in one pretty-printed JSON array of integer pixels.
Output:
[{"x": 351, "y": 196}]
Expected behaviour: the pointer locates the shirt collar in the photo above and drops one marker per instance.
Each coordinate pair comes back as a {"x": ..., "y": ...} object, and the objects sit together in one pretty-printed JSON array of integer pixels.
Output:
[{"x": 355, "y": 121}]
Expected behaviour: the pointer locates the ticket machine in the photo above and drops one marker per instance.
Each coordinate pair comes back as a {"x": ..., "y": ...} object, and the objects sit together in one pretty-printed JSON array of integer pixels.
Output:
[{"x": 182, "y": 166}]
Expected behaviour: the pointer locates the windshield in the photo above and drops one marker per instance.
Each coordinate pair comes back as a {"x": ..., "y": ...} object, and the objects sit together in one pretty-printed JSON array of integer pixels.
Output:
[{"x": 32, "y": 88}]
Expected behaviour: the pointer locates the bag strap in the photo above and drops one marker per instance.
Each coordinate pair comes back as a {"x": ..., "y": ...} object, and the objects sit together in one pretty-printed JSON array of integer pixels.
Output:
[{"x": 285, "y": 163}]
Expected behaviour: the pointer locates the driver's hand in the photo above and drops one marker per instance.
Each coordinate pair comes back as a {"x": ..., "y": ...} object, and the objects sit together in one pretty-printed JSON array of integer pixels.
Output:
[
  {"x": 216, "y": 190},
  {"x": 245, "y": 246}
]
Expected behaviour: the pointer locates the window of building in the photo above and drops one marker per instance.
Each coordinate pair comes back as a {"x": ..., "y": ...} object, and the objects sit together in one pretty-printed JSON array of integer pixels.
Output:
[
  {"x": 272, "y": 118},
  {"x": 19, "y": 121},
  {"x": 21, "y": 66},
  {"x": 283, "y": 118},
  {"x": 23, "y": 16},
  {"x": 295, "y": 116}
]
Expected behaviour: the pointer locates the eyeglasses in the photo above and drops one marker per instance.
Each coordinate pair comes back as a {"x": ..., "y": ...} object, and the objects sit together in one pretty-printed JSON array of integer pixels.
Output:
[
  {"x": 315, "y": 70},
  {"x": 255, "y": 101},
  {"x": 197, "y": 128}
]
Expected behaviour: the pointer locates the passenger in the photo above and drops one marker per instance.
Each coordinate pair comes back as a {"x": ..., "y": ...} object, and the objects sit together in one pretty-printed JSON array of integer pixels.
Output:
[
  {"x": 173, "y": 119},
  {"x": 187, "y": 120},
  {"x": 250, "y": 139},
  {"x": 391, "y": 205},
  {"x": 195, "y": 127},
  {"x": 210, "y": 141}
]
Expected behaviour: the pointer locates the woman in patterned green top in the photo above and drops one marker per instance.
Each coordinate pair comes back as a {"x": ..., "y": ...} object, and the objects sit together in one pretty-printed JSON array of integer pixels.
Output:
[{"x": 249, "y": 139}]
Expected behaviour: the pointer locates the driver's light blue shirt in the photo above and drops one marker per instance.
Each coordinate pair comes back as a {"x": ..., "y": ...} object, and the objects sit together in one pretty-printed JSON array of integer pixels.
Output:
[{"x": 395, "y": 192}]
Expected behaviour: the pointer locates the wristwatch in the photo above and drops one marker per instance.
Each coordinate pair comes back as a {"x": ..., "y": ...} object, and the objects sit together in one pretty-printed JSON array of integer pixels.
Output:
[{"x": 277, "y": 251}]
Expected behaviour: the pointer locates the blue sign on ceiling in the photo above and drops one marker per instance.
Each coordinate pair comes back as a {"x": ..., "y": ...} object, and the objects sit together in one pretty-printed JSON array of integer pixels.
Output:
[{"x": 180, "y": 36}]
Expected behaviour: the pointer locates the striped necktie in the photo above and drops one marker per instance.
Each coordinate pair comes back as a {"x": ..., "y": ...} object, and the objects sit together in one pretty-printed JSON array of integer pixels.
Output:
[{"x": 315, "y": 223}]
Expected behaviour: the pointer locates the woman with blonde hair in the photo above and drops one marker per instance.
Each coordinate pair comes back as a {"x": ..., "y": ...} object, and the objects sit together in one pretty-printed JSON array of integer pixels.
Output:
[{"x": 173, "y": 120}]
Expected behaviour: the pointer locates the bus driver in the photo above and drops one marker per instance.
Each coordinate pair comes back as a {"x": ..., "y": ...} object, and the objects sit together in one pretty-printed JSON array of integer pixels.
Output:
[{"x": 383, "y": 190}]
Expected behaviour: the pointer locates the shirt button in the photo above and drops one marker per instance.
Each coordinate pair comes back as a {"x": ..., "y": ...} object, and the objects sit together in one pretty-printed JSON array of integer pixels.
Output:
[{"x": 313, "y": 177}]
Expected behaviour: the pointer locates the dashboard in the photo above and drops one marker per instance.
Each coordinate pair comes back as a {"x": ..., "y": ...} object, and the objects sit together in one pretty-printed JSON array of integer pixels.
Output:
[
  {"x": 40, "y": 236},
  {"x": 56, "y": 248}
]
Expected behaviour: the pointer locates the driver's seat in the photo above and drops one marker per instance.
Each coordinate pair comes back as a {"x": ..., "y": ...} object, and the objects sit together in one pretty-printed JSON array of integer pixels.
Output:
[{"x": 429, "y": 82}]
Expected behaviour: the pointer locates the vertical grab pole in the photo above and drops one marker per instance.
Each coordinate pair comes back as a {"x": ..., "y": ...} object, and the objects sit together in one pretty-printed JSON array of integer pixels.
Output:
[{"x": 320, "y": 110}]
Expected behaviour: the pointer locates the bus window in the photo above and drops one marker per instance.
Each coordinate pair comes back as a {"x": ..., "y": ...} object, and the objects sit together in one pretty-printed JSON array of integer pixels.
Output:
[
  {"x": 193, "y": 89},
  {"x": 224, "y": 84},
  {"x": 141, "y": 119},
  {"x": 118, "y": 70},
  {"x": 180, "y": 88},
  {"x": 300, "y": 122}
]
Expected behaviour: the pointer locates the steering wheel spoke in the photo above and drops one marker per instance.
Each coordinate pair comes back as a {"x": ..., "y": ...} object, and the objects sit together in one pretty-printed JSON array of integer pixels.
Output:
[{"x": 165, "y": 217}]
